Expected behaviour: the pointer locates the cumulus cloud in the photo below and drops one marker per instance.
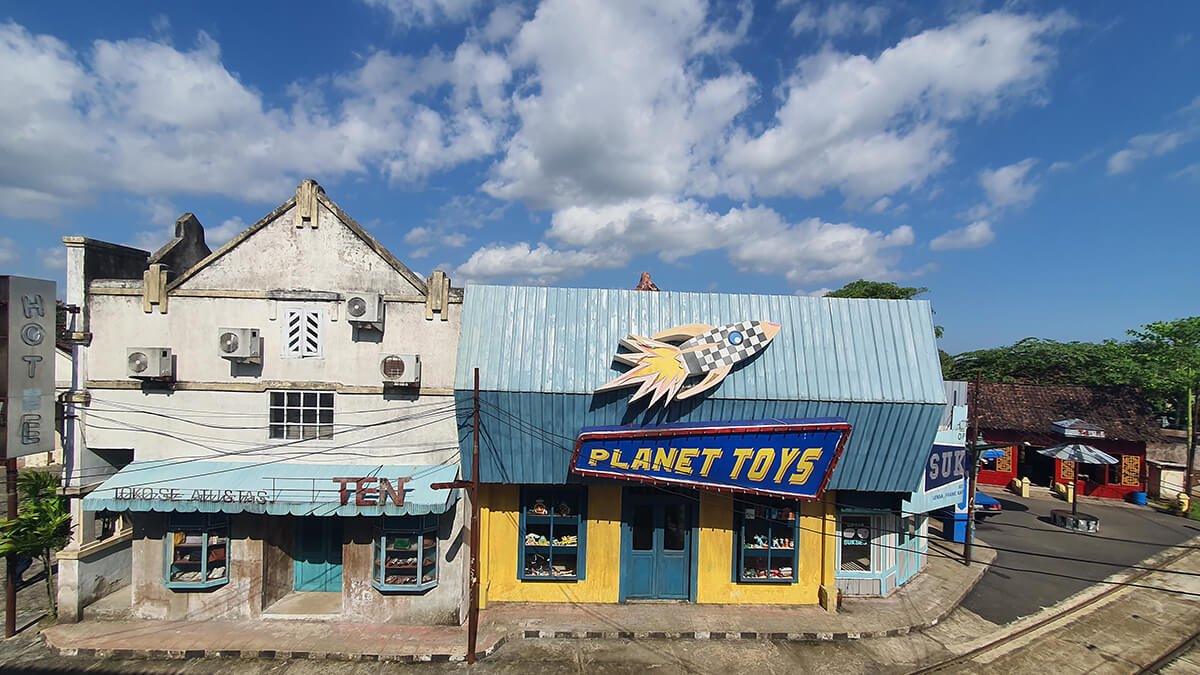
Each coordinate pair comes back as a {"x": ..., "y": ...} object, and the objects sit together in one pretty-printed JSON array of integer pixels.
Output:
[
  {"x": 618, "y": 106},
  {"x": 9, "y": 252},
  {"x": 1009, "y": 185},
  {"x": 975, "y": 235},
  {"x": 220, "y": 235},
  {"x": 539, "y": 265},
  {"x": 144, "y": 117},
  {"x": 840, "y": 18},
  {"x": 756, "y": 239},
  {"x": 869, "y": 127},
  {"x": 53, "y": 258}
]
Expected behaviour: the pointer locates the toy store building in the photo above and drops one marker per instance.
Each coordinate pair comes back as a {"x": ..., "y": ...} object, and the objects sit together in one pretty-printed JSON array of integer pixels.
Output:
[{"x": 701, "y": 447}]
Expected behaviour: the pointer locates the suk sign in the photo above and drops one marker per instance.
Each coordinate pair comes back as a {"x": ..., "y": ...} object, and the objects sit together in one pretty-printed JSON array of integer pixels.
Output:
[
  {"x": 660, "y": 368},
  {"x": 788, "y": 458},
  {"x": 27, "y": 332}
]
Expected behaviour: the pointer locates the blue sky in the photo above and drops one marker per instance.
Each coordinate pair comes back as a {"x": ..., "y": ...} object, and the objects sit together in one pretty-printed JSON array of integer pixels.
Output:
[{"x": 1035, "y": 166}]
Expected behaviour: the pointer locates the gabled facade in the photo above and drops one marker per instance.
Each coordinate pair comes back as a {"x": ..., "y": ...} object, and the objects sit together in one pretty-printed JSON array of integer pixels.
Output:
[{"x": 264, "y": 423}]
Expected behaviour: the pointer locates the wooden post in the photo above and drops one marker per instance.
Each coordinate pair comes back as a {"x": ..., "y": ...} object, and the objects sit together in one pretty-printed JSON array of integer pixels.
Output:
[
  {"x": 973, "y": 472},
  {"x": 10, "y": 564},
  {"x": 473, "y": 612},
  {"x": 1190, "y": 445}
]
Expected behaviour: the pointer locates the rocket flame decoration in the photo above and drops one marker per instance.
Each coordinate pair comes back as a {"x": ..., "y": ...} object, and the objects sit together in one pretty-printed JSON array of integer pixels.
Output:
[{"x": 661, "y": 368}]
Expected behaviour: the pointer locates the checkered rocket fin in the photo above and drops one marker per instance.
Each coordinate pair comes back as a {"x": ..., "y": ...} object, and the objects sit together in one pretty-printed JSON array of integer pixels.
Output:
[{"x": 724, "y": 346}]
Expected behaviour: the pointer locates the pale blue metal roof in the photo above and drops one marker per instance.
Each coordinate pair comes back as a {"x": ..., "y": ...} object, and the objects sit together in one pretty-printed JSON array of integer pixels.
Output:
[
  {"x": 542, "y": 352},
  {"x": 561, "y": 340},
  {"x": 271, "y": 487}
]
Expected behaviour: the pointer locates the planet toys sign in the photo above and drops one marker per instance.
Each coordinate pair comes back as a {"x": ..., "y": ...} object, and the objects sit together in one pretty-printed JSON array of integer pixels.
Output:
[{"x": 787, "y": 458}]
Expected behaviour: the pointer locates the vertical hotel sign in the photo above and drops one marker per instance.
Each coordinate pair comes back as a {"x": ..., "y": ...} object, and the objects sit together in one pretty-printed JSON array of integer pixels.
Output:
[{"x": 27, "y": 332}]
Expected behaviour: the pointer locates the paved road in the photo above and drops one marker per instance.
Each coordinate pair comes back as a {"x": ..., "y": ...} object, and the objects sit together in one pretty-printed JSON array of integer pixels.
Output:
[{"x": 1005, "y": 595}]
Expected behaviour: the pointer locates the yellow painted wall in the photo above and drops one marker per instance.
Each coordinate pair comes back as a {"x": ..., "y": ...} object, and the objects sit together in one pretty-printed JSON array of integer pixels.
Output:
[
  {"x": 714, "y": 583},
  {"x": 500, "y": 524}
]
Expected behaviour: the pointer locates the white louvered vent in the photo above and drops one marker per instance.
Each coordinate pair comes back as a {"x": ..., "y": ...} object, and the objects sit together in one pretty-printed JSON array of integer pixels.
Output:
[{"x": 303, "y": 332}]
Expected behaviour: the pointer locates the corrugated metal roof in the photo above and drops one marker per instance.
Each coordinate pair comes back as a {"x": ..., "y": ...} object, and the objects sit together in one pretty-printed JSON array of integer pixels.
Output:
[
  {"x": 275, "y": 488},
  {"x": 562, "y": 340},
  {"x": 542, "y": 352},
  {"x": 529, "y": 437}
]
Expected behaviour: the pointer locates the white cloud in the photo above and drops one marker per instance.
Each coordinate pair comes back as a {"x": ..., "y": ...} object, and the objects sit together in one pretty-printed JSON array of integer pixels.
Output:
[
  {"x": 1185, "y": 128},
  {"x": 425, "y": 12},
  {"x": 1144, "y": 147},
  {"x": 503, "y": 23},
  {"x": 146, "y": 118},
  {"x": 1009, "y": 185},
  {"x": 539, "y": 265},
  {"x": 840, "y": 18},
  {"x": 880, "y": 205},
  {"x": 53, "y": 258},
  {"x": 869, "y": 127},
  {"x": 218, "y": 236},
  {"x": 975, "y": 235},
  {"x": 418, "y": 235},
  {"x": 755, "y": 239},
  {"x": 9, "y": 251},
  {"x": 616, "y": 105}
]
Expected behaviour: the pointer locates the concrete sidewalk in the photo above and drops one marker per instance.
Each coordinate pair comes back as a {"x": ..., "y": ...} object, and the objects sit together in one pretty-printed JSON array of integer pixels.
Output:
[{"x": 920, "y": 604}]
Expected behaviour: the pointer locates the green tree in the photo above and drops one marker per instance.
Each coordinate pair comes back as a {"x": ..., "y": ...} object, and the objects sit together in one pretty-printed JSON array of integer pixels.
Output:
[
  {"x": 882, "y": 290},
  {"x": 42, "y": 525}
]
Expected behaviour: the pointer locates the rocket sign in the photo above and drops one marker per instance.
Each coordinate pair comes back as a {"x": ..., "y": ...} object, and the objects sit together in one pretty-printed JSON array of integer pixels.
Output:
[
  {"x": 788, "y": 458},
  {"x": 660, "y": 368}
]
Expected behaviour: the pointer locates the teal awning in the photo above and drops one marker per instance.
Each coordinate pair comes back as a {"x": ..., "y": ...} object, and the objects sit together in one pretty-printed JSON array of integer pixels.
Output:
[{"x": 276, "y": 488}]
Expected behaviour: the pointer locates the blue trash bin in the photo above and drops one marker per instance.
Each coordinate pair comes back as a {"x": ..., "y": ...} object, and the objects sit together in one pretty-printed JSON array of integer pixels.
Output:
[{"x": 1138, "y": 498}]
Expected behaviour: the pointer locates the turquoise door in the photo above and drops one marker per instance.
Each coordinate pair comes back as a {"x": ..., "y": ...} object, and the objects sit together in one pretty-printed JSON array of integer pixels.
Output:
[
  {"x": 318, "y": 554},
  {"x": 656, "y": 555}
]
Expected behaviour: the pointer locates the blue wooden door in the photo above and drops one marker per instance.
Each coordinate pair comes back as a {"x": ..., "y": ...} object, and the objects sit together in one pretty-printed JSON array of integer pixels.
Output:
[
  {"x": 318, "y": 555},
  {"x": 656, "y": 557}
]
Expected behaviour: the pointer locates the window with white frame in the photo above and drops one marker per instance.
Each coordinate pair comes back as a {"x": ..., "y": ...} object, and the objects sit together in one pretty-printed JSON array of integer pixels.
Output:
[
  {"x": 303, "y": 332},
  {"x": 301, "y": 414}
]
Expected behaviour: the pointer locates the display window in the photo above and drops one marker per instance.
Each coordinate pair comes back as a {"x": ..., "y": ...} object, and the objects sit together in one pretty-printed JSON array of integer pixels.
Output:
[
  {"x": 856, "y": 535},
  {"x": 197, "y": 550},
  {"x": 767, "y": 537},
  {"x": 405, "y": 554},
  {"x": 552, "y": 532}
]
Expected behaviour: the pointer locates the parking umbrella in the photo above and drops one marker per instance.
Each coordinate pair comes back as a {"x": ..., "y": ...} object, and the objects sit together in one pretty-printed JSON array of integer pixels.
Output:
[{"x": 1078, "y": 452}]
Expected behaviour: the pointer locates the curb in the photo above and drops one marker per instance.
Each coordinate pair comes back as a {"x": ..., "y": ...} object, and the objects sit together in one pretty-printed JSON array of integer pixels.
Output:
[{"x": 269, "y": 654}]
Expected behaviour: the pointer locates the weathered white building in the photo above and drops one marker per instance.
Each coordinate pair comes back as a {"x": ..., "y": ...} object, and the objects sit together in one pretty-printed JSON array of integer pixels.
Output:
[{"x": 257, "y": 430}]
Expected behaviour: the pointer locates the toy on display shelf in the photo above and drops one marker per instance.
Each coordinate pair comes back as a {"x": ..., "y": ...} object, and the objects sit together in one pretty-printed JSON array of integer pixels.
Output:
[
  {"x": 539, "y": 508},
  {"x": 566, "y": 540},
  {"x": 783, "y": 542},
  {"x": 535, "y": 539},
  {"x": 537, "y": 565},
  {"x": 563, "y": 509}
]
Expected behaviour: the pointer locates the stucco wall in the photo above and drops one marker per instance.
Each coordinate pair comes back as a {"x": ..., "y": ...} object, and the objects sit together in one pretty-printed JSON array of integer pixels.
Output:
[
  {"x": 362, "y": 602},
  {"x": 240, "y": 598},
  {"x": 303, "y": 257}
]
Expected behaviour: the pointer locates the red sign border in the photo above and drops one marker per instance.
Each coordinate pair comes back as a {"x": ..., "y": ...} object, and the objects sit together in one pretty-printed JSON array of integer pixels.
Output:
[{"x": 714, "y": 430}]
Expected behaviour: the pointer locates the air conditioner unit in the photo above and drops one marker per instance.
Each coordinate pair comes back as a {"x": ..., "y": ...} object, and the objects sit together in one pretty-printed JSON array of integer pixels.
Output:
[
  {"x": 401, "y": 369},
  {"x": 149, "y": 363},
  {"x": 365, "y": 308},
  {"x": 239, "y": 344}
]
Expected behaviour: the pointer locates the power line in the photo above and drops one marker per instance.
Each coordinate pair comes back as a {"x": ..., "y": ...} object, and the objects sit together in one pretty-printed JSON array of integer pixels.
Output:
[{"x": 276, "y": 446}]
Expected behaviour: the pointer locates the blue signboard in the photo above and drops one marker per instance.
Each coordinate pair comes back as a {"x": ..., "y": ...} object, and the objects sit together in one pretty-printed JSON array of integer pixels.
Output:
[
  {"x": 947, "y": 463},
  {"x": 788, "y": 458}
]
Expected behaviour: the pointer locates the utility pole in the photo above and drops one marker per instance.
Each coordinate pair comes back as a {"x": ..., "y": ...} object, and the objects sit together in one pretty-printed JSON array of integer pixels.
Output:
[
  {"x": 472, "y": 488},
  {"x": 973, "y": 469},
  {"x": 473, "y": 612},
  {"x": 1190, "y": 446}
]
